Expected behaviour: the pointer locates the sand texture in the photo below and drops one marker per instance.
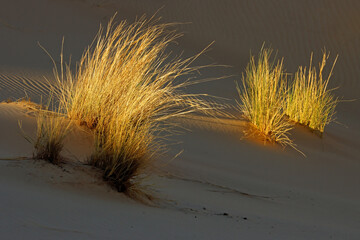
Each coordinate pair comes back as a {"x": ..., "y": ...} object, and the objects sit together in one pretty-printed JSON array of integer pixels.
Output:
[{"x": 222, "y": 186}]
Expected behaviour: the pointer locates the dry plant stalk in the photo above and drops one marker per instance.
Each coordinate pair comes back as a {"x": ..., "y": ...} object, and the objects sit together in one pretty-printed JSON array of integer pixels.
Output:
[
  {"x": 126, "y": 90},
  {"x": 52, "y": 128},
  {"x": 309, "y": 102},
  {"x": 263, "y": 98}
]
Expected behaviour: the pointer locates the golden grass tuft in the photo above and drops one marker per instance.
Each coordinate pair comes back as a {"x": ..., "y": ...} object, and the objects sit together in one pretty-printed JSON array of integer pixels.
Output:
[
  {"x": 309, "y": 100},
  {"x": 126, "y": 89},
  {"x": 52, "y": 128},
  {"x": 263, "y": 98},
  {"x": 51, "y": 132}
]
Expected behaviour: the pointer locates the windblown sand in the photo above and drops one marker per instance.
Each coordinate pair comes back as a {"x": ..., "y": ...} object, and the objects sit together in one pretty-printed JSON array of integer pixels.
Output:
[{"x": 222, "y": 186}]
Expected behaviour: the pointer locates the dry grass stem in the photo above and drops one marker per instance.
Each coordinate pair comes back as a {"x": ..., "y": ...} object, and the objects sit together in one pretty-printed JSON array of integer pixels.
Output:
[
  {"x": 125, "y": 88},
  {"x": 263, "y": 99},
  {"x": 309, "y": 100},
  {"x": 52, "y": 129}
]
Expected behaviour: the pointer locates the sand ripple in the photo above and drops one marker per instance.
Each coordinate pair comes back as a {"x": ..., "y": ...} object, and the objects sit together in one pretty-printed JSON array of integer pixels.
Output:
[{"x": 19, "y": 84}]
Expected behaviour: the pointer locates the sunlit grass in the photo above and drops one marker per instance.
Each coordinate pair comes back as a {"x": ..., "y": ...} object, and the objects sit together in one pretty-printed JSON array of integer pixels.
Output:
[
  {"x": 51, "y": 132},
  {"x": 51, "y": 129},
  {"x": 126, "y": 89},
  {"x": 309, "y": 100},
  {"x": 263, "y": 98}
]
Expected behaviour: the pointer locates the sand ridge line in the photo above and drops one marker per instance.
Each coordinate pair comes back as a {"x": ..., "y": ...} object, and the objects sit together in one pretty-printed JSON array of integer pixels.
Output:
[
  {"x": 56, "y": 228},
  {"x": 213, "y": 123},
  {"x": 227, "y": 189}
]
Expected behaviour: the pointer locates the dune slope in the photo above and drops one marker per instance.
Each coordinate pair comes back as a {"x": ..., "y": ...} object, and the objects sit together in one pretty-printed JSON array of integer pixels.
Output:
[{"x": 222, "y": 186}]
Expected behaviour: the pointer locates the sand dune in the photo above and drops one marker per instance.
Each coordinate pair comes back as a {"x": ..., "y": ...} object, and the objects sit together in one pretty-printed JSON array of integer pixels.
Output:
[
  {"x": 222, "y": 186},
  {"x": 295, "y": 28}
]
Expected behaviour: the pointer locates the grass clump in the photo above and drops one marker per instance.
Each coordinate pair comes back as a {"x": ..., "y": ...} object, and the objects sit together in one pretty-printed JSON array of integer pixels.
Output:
[
  {"x": 309, "y": 100},
  {"x": 263, "y": 98},
  {"x": 52, "y": 128},
  {"x": 51, "y": 132},
  {"x": 126, "y": 89},
  {"x": 123, "y": 150}
]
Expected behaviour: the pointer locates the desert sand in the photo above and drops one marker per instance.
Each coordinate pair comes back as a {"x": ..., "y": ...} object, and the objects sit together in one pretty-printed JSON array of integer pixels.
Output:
[{"x": 222, "y": 186}]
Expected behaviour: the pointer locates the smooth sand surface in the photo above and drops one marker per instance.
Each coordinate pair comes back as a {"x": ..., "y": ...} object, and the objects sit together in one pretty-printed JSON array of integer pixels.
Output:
[{"x": 222, "y": 186}]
